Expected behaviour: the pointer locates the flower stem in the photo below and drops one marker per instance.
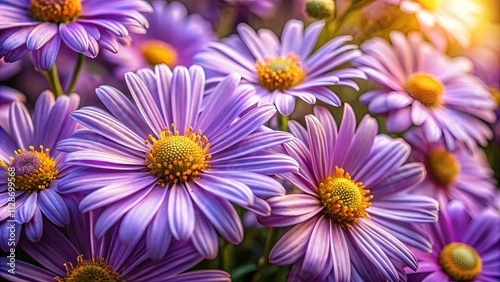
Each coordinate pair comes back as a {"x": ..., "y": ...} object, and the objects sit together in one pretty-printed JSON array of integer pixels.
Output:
[
  {"x": 76, "y": 73},
  {"x": 283, "y": 122},
  {"x": 54, "y": 82},
  {"x": 264, "y": 261}
]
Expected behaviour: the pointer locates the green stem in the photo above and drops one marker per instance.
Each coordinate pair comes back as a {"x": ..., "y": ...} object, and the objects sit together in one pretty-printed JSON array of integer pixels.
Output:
[
  {"x": 54, "y": 82},
  {"x": 283, "y": 122},
  {"x": 263, "y": 261},
  {"x": 76, "y": 73}
]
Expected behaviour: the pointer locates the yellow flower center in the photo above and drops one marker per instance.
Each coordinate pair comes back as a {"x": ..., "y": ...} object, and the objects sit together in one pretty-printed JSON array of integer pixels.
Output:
[
  {"x": 32, "y": 170},
  {"x": 280, "y": 73},
  {"x": 429, "y": 4},
  {"x": 157, "y": 52},
  {"x": 460, "y": 261},
  {"x": 442, "y": 167},
  {"x": 55, "y": 11},
  {"x": 425, "y": 88},
  {"x": 93, "y": 270},
  {"x": 177, "y": 158},
  {"x": 343, "y": 199}
]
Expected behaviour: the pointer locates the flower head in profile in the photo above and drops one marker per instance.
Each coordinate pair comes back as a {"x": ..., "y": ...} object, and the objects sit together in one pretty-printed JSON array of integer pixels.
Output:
[
  {"x": 81, "y": 256},
  {"x": 465, "y": 247},
  {"x": 31, "y": 168},
  {"x": 462, "y": 174},
  {"x": 354, "y": 212},
  {"x": 441, "y": 19},
  {"x": 187, "y": 34},
  {"x": 283, "y": 71},
  {"x": 170, "y": 163},
  {"x": 425, "y": 88},
  {"x": 84, "y": 26}
]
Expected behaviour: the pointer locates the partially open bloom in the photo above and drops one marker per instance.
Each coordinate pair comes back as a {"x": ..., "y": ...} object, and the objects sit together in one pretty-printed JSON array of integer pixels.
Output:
[
  {"x": 283, "y": 71},
  {"x": 425, "y": 88},
  {"x": 465, "y": 247},
  {"x": 31, "y": 168},
  {"x": 83, "y": 257},
  {"x": 168, "y": 169},
  {"x": 40, "y": 26},
  {"x": 462, "y": 174},
  {"x": 354, "y": 211},
  {"x": 187, "y": 34},
  {"x": 441, "y": 19}
]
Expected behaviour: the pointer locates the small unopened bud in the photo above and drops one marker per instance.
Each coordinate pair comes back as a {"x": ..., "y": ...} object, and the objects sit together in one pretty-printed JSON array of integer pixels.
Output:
[{"x": 320, "y": 9}]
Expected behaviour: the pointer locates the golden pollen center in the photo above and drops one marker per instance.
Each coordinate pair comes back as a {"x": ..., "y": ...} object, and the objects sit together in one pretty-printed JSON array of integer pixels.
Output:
[
  {"x": 32, "y": 170},
  {"x": 429, "y": 4},
  {"x": 425, "y": 88},
  {"x": 343, "y": 199},
  {"x": 157, "y": 52},
  {"x": 460, "y": 261},
  {"x": 177, "y": 158},
  {"x": 55, "y": 11},
  {"x": 96, "y": 269},
  {"x": 442, "y": 167},
  {"x": 280, "y": 73}
]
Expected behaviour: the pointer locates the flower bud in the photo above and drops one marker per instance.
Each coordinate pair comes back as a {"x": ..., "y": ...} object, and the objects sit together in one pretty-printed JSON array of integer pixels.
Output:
[{"x": 320, "y": 9}]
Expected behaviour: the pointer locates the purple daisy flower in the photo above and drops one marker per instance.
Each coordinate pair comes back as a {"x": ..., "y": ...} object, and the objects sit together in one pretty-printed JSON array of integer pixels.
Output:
[
  {"x": 354, "y": 212},
  {"x": 40, "y": 26},
  {"x": 186, "y": 36},
  {"x": 82, "y": 257},
  {"x": 465, "y": 248},
  {"x": 462, "y": 174},
  {"x": 7, "y": 97},
  {"x": 423, "y": 87},
  {"x": 169, "y": 170},
  {"x": 31, "y": 168},
  {"x": 283, "y": 71}
]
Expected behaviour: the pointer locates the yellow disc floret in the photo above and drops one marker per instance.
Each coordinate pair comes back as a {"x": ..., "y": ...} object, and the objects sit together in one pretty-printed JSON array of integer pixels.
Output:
[
  {"x": 55, "y": 11},
  {"x": 157, "y": 52},
  {"x": 343, "y": 199},
  {"x": 460, "y": 261},
  {"x": 32, "y": 170},
  {"x": 95, "y": 270},
  {"x": 280, "y": 73},
  {"x": 442, "y": 167},
  {"x": 425, "y": 88},
  {"x": 177, "y": 158},
  {"x": 429, "y": 4}
]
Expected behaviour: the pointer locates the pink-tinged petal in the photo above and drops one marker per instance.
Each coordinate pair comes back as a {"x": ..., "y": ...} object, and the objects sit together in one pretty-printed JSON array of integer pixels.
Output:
[
  {"x": 181, "y": 212},
  {"x": 416, "y": 208},
  {"x": 419, "y": 113},
  {"x": 436, "y": 276},
  {"x": 317, "y": 251},
  {"x": 292, "y": 246},
  {"x": 180, "y": 97},
  {"x": 311, "y": 35},
  {"x": 407, "y": 176},
  {"x": 285, "y": 103},
  {"x": 292, "y": 37},
  {"x": 261, "y": 185},
  {"x": 40, "y": 35},
  {"x": 265, "y": 164},
  {"x": 330, "y": 127},
  {"x": 345, "y": 136},
  {"x": 21, "y": 125},
  {"x": 317, "y": 147},
  {"x": 220, "y": 213},
  {"x": 340, "y": 254},
  {"x": 252, "y": 41},
  {"x": 233, "y": 191},
  {"x": 361, "y": 144},
  {"x": 136, "y": 220}
]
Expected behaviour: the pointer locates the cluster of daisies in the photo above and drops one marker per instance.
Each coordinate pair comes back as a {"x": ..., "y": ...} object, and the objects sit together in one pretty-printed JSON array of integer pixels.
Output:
[{"x": 167, "y": 131}]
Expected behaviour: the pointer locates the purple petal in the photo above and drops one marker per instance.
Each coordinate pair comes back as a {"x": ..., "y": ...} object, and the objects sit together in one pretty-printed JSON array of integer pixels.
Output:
[
  {"x": 159, "y": 236},
  {"x": 180, "y": 213},
  {"x": 233, "y": 191},
  {"x": 317, "y": 251},
  {"x": 75, "y": 36},
  {"x": 26, "y": 210},
  {"x": 40, "y": 35},
  {"x": 21, "y": 125},
  {"x": 53, "y": 207},
  {"x": 45, "y": 57},
  {"x": 340, "y": 254},
  {"x": 34, "y": 228},
  {"x": 205, "y": 238}
]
